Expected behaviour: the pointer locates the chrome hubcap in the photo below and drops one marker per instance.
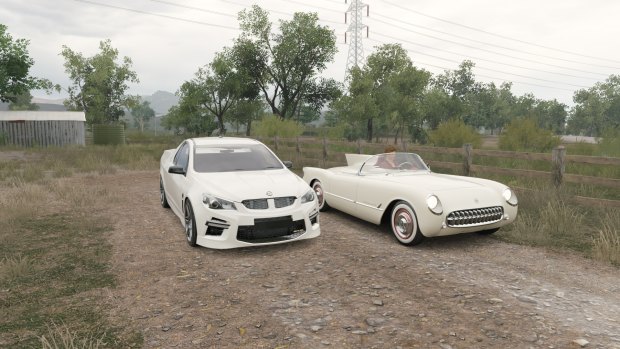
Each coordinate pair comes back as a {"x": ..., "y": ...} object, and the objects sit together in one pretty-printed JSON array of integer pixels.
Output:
[
  {"x": 319, "y": 194},
  {"x": 403, "y": 224}
]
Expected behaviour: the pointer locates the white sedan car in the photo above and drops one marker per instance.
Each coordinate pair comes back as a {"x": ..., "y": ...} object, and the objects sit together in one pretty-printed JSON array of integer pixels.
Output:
[
  {"x": 235, "y": 192},
  {"x": 399, "y": 189}
]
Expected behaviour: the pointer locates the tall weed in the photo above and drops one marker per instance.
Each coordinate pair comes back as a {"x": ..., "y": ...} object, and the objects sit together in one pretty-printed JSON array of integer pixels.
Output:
[{"x": 606, "y": 245}]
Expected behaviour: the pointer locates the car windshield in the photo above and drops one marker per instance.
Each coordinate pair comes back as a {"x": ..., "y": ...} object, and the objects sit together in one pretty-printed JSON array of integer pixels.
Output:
[
  {"x": 393, "y": 163},
  {"x": 226, "y": 158}
]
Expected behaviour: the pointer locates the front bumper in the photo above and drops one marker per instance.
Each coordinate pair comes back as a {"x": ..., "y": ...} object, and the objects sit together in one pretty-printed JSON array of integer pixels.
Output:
[{"x": 223, "y": 229}]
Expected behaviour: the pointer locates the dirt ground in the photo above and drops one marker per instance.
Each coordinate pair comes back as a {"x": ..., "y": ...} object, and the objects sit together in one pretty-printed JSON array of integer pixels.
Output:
[{"x": 352, "y": 287}]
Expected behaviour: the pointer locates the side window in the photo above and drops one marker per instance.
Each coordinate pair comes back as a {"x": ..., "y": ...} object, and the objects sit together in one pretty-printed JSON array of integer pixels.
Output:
[{"x": 182, "y": 156}]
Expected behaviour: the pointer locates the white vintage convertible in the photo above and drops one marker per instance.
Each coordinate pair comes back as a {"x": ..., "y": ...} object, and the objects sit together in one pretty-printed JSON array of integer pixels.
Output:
[
  {"x": 235, "y": 192},
  {"x": 399, "y": 189}
]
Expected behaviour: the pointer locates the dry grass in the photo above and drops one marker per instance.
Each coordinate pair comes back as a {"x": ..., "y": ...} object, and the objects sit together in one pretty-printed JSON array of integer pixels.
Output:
[
  {"x": 606, "y": 246},
  {"x": 15, "y": 267},
  {"x": 61, "y": 337}
]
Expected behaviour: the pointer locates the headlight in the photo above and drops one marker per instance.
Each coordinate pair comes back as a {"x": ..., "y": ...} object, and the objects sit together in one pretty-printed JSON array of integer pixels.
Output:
[
  {"x": 217, "y": 203},
  {"x": 433, "y": 203},
  {"x": 510, "y": 197},
  {"x": 308, "y": 197}
]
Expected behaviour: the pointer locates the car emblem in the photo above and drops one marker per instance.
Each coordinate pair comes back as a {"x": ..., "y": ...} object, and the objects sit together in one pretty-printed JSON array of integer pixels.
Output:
[{"x": 269, "y": 193}]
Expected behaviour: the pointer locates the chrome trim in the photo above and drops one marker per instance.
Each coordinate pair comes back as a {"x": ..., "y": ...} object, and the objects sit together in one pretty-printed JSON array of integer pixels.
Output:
[
  {"x": 475, "y": 217},
  {"x": 369, "y": 206},
  {"x": 340, "y": 197},
  {"x": 355, "y": 202}
]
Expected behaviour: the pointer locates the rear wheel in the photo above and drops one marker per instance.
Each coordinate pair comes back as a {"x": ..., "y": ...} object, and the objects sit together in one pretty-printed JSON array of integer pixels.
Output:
[
  {"x": 190, "y": 224},
  {"x": 320, "y": 195},
  {"x": 162, "y": 194},
  {"x": 404, "y": 224}
]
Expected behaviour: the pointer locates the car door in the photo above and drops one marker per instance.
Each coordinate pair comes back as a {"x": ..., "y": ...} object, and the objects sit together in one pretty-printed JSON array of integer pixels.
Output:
[
  {"x": 342, "y": 189},
  {"x": 179, "y": 182}
]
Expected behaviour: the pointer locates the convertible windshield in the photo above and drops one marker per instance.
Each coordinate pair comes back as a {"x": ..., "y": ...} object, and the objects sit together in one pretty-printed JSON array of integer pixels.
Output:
[
  {"x": 393, "y": 163},
  {"x": 226, "y": 158}
]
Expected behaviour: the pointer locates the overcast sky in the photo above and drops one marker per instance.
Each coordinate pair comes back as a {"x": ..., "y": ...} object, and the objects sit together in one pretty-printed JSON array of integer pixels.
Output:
[{"x": 549, "y": 48}]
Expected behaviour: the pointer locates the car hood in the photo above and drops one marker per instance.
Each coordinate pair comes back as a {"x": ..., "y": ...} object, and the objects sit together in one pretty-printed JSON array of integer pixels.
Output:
[
  {"x": 239, "y": 186},
  {"x": 434, "y": 182}
]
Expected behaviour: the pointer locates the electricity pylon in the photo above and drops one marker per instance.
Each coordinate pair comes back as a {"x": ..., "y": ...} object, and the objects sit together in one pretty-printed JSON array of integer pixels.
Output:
[{"x": 356, "y": 49}]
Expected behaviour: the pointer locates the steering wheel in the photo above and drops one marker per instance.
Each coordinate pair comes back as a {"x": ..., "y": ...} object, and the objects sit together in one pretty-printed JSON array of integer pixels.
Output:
[{"x": 406, "y": 166}]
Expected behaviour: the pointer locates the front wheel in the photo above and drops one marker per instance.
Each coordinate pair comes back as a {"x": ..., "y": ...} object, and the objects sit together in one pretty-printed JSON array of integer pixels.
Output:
[
  {"x": 190, "y": 224},
  {"x": 320, "y": 195},
  {"x": 405, "y": 224}
]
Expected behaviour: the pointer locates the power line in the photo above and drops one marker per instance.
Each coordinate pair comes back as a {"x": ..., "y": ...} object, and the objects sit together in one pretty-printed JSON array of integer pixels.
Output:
[
  {"x": 496, "y": 53},
  {"x": 194, "y": 8},
  {"x": 482, "y": 59},
  {"x": 492, "y": 77},
  {"x": 280, "y": 12},
  {"x": 157, "y": 14},
  {"x": 497, "y": 35},
  {"x": 482, "y": 42}
]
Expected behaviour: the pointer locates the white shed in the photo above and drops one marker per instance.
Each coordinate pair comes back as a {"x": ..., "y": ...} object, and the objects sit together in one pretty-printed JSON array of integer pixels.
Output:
[{"x": 42, "y": 128}]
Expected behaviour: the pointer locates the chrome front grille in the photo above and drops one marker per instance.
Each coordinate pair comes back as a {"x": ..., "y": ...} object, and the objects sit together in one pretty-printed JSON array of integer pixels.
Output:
[
  {"x": 263, "y": 204},
  {"x": 474, "y": 217},
  {"x": 284, "y": 201},
  {"x": 256, "y": 204}
]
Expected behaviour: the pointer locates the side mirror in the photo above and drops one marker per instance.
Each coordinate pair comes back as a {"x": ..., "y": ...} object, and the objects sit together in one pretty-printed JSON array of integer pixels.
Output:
[
  {"x": 288, "y": 164},
  {"x": 176, "y": 170}
]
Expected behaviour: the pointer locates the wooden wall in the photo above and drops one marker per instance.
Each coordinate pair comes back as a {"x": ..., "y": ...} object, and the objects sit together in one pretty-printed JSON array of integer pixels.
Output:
[{"x": 42, "y": 133}]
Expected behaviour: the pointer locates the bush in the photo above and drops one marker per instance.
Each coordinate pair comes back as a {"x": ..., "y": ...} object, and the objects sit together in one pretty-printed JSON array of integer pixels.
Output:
[
  {"x": 333, "y": 133},
  {"x": 610, "y": 144},
  {"x": 524, "y": 135},
  {"x": 273, "y": 125},
  {"x": 453, "y": 134}
]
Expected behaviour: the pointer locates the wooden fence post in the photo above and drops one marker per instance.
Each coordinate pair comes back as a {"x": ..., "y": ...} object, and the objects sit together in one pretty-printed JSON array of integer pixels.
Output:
[
  {"x": 467, "y": 159},
  {"x": 557, "y": 165}
]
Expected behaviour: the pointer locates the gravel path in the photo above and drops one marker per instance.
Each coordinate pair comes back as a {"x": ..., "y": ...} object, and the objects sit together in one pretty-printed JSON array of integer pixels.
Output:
[{"x": 353, "y": 287}]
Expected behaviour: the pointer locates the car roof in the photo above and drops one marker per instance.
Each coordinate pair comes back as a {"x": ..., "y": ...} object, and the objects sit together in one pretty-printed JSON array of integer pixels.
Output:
[{"x": 206, "y": 141}]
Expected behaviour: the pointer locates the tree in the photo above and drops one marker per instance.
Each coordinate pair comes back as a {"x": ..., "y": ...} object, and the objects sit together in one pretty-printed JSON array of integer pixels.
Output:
[
  {"x": 386, "y": 92},
  {"x": 489, "y": 107},
  {"x": 246, "y": 111},
  {"x": 217, "y": 87},
  {"x": 23, "y": 102},
  {"x": 142, "y": 113},
  {"x": 189, "y": 115},
  {"x": 99, "y": 83},
  {"x": 285, "y": 65},
  {"x": 459, "y": 83},
  {"x": 15, "y": 64},
  {"x": 597, "y": 108}
]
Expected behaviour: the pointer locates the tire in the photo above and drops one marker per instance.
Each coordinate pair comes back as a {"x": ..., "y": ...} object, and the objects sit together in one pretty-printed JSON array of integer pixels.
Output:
[
  {"x": 162, "y": 194},
  {"x": 488, "y": 231},
  {"x": 404, "y": 224},
  {"x": 320, "y": 195},
  {"x": 190, "y": 224}
]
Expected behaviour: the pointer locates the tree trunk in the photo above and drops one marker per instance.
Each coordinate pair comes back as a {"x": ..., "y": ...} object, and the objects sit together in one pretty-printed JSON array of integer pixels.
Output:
[
  {"x": 220, "y": 121},
  {"x": 369, "y": 131},
  {"x": 248, "y": 127}
]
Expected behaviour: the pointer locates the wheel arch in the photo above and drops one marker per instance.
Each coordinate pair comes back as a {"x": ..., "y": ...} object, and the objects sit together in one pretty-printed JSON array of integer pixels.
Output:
[{"x": 387, "y": 213}]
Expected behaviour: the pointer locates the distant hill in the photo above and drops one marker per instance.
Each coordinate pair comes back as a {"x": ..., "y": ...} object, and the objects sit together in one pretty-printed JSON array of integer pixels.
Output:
[{"x": 161, "y": 101}]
